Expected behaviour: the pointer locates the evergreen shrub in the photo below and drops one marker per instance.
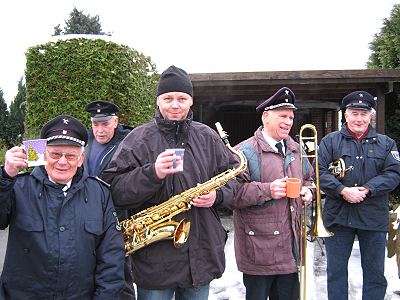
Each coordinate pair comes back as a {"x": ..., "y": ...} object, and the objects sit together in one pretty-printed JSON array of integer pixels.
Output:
[{"x": 63, "y": 76}]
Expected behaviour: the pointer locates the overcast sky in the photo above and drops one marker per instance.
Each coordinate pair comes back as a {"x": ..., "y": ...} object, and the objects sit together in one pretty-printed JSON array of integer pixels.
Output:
[{"x": 208, "y": 35}]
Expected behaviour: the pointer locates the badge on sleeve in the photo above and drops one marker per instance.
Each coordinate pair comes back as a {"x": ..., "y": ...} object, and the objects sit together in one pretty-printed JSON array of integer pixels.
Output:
[
  {"x": 395, "y": 155},
  {"x": 117, "y": 223}
]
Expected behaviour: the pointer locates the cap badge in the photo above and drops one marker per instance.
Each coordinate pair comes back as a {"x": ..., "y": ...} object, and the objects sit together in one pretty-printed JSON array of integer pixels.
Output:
[
  {"x": 359, "y": 101},
  {"x": 64, "y": 132},
  {"x": 98, "y": 110},
  {"x": 287, "y": 94},
  {"x": 361, "y": 95},
  {"x": 65, "y": 121}
]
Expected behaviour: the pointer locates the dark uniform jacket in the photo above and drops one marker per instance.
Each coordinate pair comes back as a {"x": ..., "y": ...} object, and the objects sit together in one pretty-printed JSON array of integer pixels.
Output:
[
  {"x": 120, "y": 133},
  {"x": 376, "y": 165},
  {"x": 267, "y": 230},
  {"x": 134, "y": 183},
  {"x": 59, "y": 247}
]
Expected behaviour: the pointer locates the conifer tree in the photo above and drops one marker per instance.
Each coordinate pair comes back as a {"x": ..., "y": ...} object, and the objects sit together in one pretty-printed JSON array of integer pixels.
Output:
[
  {"x": 80, "y": 23},
  {"x": 4, "y": 125},
  {"x": 17, "y": 113},
  {"x": 385, "y": 54}
]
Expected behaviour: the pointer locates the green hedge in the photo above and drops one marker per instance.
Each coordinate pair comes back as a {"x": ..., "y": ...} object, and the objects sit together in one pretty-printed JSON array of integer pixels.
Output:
[
  {"x": 63, "y": 76},
  {"x": 3, "y": 151}
]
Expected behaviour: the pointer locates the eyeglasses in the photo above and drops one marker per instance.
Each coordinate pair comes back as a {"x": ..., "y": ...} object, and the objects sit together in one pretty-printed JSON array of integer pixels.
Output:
[{"x": 68, "y": 156}]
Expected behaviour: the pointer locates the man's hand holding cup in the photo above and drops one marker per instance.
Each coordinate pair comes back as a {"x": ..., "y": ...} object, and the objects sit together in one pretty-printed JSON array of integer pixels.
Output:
[{"x": 169, "y": 162}]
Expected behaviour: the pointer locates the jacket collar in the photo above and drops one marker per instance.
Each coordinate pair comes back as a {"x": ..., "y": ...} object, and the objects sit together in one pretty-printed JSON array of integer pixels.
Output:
[
  {"x": 176, "y": 132},
  {"x": 371, "y": 132},
  {"x": 40, "y": 174}
]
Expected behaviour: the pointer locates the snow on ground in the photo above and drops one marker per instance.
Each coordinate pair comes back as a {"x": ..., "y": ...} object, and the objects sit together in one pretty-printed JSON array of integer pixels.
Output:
[{"x": 230, "y": 285}]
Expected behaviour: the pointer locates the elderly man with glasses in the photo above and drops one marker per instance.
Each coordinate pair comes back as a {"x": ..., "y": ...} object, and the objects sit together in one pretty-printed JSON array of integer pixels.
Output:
[{"x": 63, "y": 240}]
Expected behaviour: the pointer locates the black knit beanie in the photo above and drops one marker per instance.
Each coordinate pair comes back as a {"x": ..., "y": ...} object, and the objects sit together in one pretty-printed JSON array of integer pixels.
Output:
[{"x": 174, "y": 79}]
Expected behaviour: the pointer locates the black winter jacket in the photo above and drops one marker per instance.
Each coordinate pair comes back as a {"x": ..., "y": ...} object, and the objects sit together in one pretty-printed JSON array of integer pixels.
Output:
[
  {"x": 376, "y": 165},
  {"x": 59, "y": 247},
  {"x": 134, "y": 184}
]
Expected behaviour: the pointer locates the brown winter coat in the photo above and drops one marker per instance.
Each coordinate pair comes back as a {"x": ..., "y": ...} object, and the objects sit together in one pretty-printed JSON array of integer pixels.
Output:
[
  {"x": 135, "y": 185},
  {"x": 264, "y": 227}
]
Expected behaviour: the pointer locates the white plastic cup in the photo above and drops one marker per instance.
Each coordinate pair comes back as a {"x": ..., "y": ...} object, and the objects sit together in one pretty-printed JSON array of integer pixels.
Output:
[{"x": 178, "y": 152}]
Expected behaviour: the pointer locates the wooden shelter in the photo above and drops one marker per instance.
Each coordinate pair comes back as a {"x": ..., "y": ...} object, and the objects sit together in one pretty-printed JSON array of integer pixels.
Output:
[{"x": 231, "y": 98}]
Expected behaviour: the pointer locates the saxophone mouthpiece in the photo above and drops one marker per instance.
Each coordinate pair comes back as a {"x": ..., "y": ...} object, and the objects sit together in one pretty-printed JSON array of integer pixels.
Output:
[{"x": 222, "y": 133}]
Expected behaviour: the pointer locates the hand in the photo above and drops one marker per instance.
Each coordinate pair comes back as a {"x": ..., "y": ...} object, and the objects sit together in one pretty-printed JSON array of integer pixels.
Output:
[
  {"x": 278, "y": 188},
  {"x": 363, "y": 189},
  {"x": 164, "y": 163},
  {"x": 354, "y": 194},
  {"x": 14, "y": 160},
  {"x": 306, "y": 195},
  {"x": 205, "y": 200}
]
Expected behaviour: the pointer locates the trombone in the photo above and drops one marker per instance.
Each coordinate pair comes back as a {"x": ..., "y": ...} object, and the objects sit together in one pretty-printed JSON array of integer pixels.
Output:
[{"x": 318, "y": 229}]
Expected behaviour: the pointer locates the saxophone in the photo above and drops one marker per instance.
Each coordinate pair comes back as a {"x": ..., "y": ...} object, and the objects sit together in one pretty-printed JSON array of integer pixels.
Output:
[{"x": 155, "y": 223}]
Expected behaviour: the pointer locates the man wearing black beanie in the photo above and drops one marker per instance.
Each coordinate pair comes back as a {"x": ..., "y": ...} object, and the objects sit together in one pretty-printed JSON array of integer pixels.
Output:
[
  {"x": 174, "y": 79},
  {"x": 142, "y": 174}
]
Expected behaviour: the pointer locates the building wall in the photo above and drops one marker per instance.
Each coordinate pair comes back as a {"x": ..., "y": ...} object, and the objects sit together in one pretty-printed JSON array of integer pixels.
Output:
[{"x": 240, "y": 122}]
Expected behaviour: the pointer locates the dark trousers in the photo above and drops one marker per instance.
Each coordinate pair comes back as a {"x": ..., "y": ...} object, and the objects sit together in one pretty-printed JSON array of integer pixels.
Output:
[
  {"x": 276, "y": 287},
  {"x": 178, "y": 293},
  {"x": 372, "y": 250}
]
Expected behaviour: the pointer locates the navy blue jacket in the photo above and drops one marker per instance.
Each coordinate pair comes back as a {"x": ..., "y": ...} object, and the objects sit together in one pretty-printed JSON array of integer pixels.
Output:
[
  {"x": 120, "y": 133},
  {"x": 376, "y": 165},
  {"x": 59, "y": 247}
]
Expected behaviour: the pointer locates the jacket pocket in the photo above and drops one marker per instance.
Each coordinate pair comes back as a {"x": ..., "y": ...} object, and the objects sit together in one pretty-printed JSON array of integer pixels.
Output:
[
  {"x": 28, "y": 223},
  {"x": 94, "y": 227},
  {"x": 94, "y": 230},
  {"x": 266, "y": 244},
  {"x": 375, "y": 162},
  {"x": 27, "y": 241}
]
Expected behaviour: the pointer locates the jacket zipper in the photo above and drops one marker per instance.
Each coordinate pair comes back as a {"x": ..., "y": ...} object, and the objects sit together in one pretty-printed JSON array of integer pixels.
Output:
[{"x": 101, "y": 162}]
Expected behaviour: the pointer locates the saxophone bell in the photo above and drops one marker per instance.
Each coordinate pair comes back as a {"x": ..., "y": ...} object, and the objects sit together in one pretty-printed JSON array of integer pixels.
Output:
[
  {"x": 181, "y": 233},
  {"x": 171, "y": 230}
]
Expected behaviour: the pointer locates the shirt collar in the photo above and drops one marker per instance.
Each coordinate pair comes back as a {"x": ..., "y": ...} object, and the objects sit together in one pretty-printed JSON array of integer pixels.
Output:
[
  {"x": 272, "y": 142},
  {"x": 66, "y": 187}
]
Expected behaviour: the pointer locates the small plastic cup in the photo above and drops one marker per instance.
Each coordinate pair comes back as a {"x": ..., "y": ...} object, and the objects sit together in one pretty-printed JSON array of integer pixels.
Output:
[
  {"x": 293, "y": 187},
  {"x": 178, "y": 152}
]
